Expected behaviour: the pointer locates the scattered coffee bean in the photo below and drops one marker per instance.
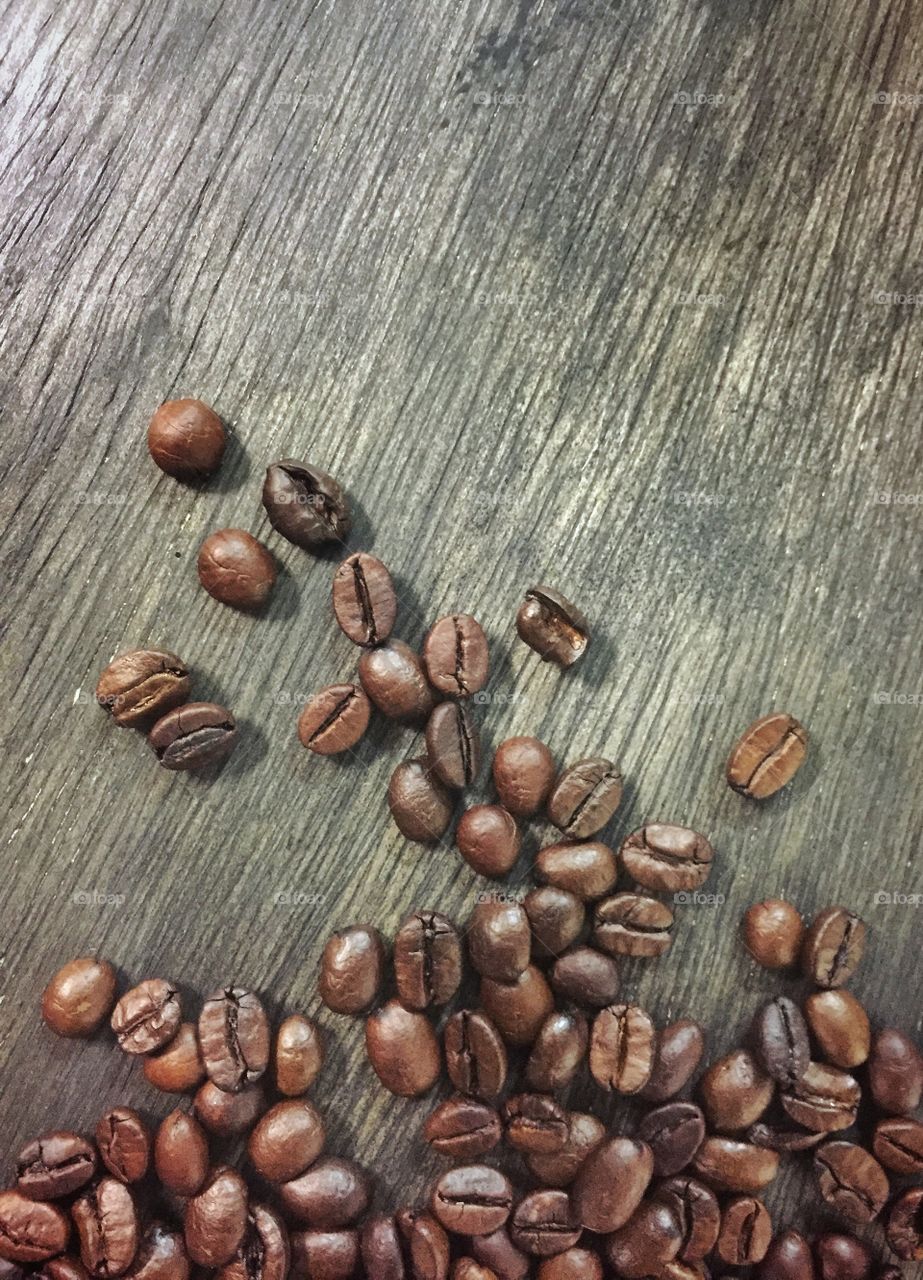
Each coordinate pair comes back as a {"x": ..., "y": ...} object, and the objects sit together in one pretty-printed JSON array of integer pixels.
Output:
[
  {"x": 678, "y": 1052},
  {"x": 332, "y": 1194},
  {"x": 420, "y": 804},
  {"x": 534, "y": 1123},
  {"x": 364, "y": 600},
  {"x": 380, "y": 1246},
  {"x": 788, "y": 1258},
  {"x": 898, "y": 1145},
  {"x": 823, "y": 1100},
  {"x": 325, "y": 1255},
  {"x": 161, "y": 1256},
  {"x": 334, "y": 719},
  {"x": 904, "y": 1228},
  {"x": 455, "y": 655},
  {"x": 560, "y": 1168},
  {"x": 352, "y": 969},
  {"x": 304, "y": 504},
  {"x": 518, "y": 1009},
  {"x": 777, "y": 1138},
  {"x": 730, "y": 1165},
  {"x": 428, "y": 1246},
  {"x": 650, "y": 1239},
  {"x": 695, "y": 1207},
  {"x": 463, "y": 1128},
  {"x": 472, "y": 1200},
  {"x": 498, "y": 1252},
  {"x": 227, "y": 1114},
  {"x": 585, "y": 797},
  {"x": 833, "y": 947},
  {"x": 186, "y": 439},
  {"x": 216, "y": 1218},
  {"x": 403, "y": 1050},
  {"x": 299, "y": 1055},
  {"x": 475, "y": 1055},
  {"x": 488, "y": 839},
  {"x": 140, "y": 686},
  {"x": 552, "y": 626},
  {"x": 393, "y": 677},
  {"x": 667, "y": 858},
  {"x": 287, "y": 1140},
  {"x": 767, "y": 756},
  {"x": 55, "y": 1165},
  {"x": 236, "y": 569},
  {"x": 622, "y": 1048},
  {"x": 780, "y": 1035},
  {"x": 558, "y": 1052},
  {"x": 234, "y": 1038},
  {"x": 499, "y": 940},
  {"x": 107, "y": 1226},
  {"x": 674, "y": 1133},
  {"x": 544, "y": 1224},
  {"x": 524, "y": 772},
  {"x": 895, "y": 1072},
  {"x": 587, "y": 870},
  {"x": 194, "y": 736},
  {"x": 587, "y": 977},
  {"x": 556, "y": 918},
  {"x": 840, "y": 1025},
  {"x": 427, "y": 960},
  {"x": 572, "y": 1264},
  {"x": 851, "y": 1181},
  {"x": 179, "y": 1067},
  {"x": 29, "y": 1230},
  {"x": 181, "y": 1154},
  {"x": 265, "y": 1252},
  {"x": 773, "y": 933},
  {"x": 633, "y": 924},
  {"x": 80, "y": 997},
  {"x": 453, "y": 744},
  {"x": 147, "y": 1017},
  {"x": 842, "y": 1257},
  {"x": 746, "y": 1232},
  {"x": 468, "y": 1269},
  {"x": 124, "y": 1144}
]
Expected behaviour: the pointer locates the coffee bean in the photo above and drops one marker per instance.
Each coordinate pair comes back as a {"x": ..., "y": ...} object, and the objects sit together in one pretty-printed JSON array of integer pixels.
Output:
[
  {"x": 236, "y": 569},
  {"x": 650, "y": 1239},
  {"x": 678, "y": 1052},
  {"x": 475, "y": 1055},
  {"x": 498, "y": 1252},
  {"x": 851, "y": 1181},
  {"x": 823, "y": 1100},
  {"x": 468, "y": 1269},
  {"x": 585, "y": 797},
  {"x": 264, "y": 1253},
  {"x": 518, "y": 1009},
  {"x": 535, "y": 1123},
  {"x": 304, "y": 504},
  {"x": 29, "y": 1230},
  {"x": 80, "y": 996},
  {"x": 427, "y": 960},
  {"x": 842, "y": 1257},
  {"x": 746, "y": 1232},
  {"x": 456, "y": 657},
  {"x": 499, "y": 940},
  {"x": 403, "y": 1050},
  {"x": 186, "y": 439},
  {"x": 55, "y": 1165},
  {"x": 904, "y": 1228},
  {"x": 667, "y": 858},
  {"x": 226, "y": 1114},
  {"x": 767, "y": 756},
  {"x": 351, "y": 969},
  {"x": 124, "y": 1144},
  {"x": 488, "y": 839},
  {"x": 556, "y": 918},
  {"x": 325, "y": 1255},
  {"x": 138, "y": 687},
  {"x": 730, "y": 1165},
  {"x": 181, "y": 1154},
  {"x": 287, "y": 1140},
  {"x": 840, "y": 1026},
  {"x": 179, "y": 1067},
  {"x": 364, "y": 600},
  {"x": 572, "y": 1264},
  {"x": 463, "y": 1128},
  {"x": 544, "y": 1223},
  {"x": 331, "y": 1194},
  {"x": 420, "y": 804},
  {"x": 780, "y": 1036},
  {"x": 622, "y": 1048},
  {"x": 895, "y": 1072},
  {"x": 611, "y": 1183},
  {"x": 334, "y": 719},
  {"x": 560, "y": 1168},
  {"x": 161, "y": 1256},
  {"x": 524, "y": 773},
  {"x": 587, "y": 870},
  {"x": 674, "y": 1133},
  {"x": 558, "y": 1052},
  {"x": 60, "y": 1268},
  {"x": 833, "y": 947},
  {"x": 428, "y": 1246},
  {"x": 453, "y": 744},
  {"x": 147, "y": 1017},
  {"x": 380, "y": 1246},
  {"x": 195, "y": 736},
  {"x": 299, "y": 1055},
  {"x": 898, "y": 1145},
  {"x": 108, "y": 1228},
  {"x": 472, "y": 1200},
  {"x": 552, "y": 626},
  {"x": 393, "y": 677},
  {"x": 695, "y": 1207},
  {"x": 778, "y": 1139},
  {"x": 216, "y": 1219},
  {"x": 633, "y": 924},
  {"x": 773, "y": 932},
  {"x": 234, "y": 1038},
  {"x": 587, "y": 977},
  {"x": 788, "y": 1258}
]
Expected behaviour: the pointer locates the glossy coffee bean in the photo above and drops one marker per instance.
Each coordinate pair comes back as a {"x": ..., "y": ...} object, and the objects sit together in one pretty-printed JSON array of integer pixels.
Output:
[
  {"x": 746, "y": 1232},
  {"x": 475, "y": 1055},
  {"x": 556, "y": 918},
  {"x": 234, "y": 1038},
  {"x": 332, "y": 1194},
  {"x": 393, "y": 677},
  {"x": 186, "y": 439},
  {"x": 178, "y": 1067},
  {"x": 674, "y": 1133},
  {"x": 468, "y": 1269},
  {"x": 195, "y": 736},
  {"x": 216, "y": 1219},
  {"x": 325, "y": 1255},
  {"x": 124, "y": 1144},
  {"x": 904, "y": 1227},
  {"x": 556, "y": 629},
  {"x": 427, "y": 960},
  {"x": 472, "y": 1200},
  {"x": 823, "y": 1100},
  {"x": 773, "y": 932},
  {"x": 453, "y": 744},
  {"x": 499, "y": 940},
  {"x": 780, "y": 1138},
  {"x": 851, "y": 1180},
  {"x": 650, "y": 1239},
  {"x": 488, "y": 839},
  {"x": 535, "y": 1123},
  {"x": 287, "y": 1140},
  {"x": 30, "y": 1231},
  {"x": 334, "y": 719},
  {"x": 518, "y": 1009},
  {"x": 264, "y": 1253},
  {"x": 403, "y": 1050},
  {"x": 161, "y": 1256},
  {"x": 380, "y": 1247},
  {"x": 895, "y": 1072},
  {"x": 781, "y": 1041},
  {"x": 498, "y": 1252},
  {"x": 767, "y": 756},
  {"x": 611, "y": 1183},
  {"x": 147, "y": 1017},
  {"x": 364, "y": 599},
  {"x": 236, "y": 569},
  {"x": 352, "y": 968},
  {"x": 304, "y": 504},
  {"x": 108, "y": 1228},
  {"x": 181, "y": 1154},
  {"x": 833, "y": 947},
  {"x": 558, "y": 1052},
  {"x": 898, "y": 1145},
  {"x": 678, "y": 1052},
  {"x": 227, "y": 1114},
  {"x": 622, "y": 1048},
  {"x": 573, "y": 1264},
  {"x": 463, "y": 1128},
  {"x": 420, "y": 804},
  {"x": 788, "y": 1257},
  {"x": 587, "y": 870},
  {"x": 633, "y": 924},
  {"x": 55, "y": 1165},
  {"x": 80, "y": 997},
  {"x": 456, "y": 656},
  {"x": 587, "y": 977},
  {"x": 544, "y": 1223},
  {"x": 842, "y": 1257},
  {"x": 666, "y": 858},
  {"x": 138, "y": 687},
  {"x": 695, "y": 1206},
  {"x": 299, "y": 1055},
  {"x": 524, "y": 772},
  {"x": 840, "y": 1025},
  {"x": 428, "y": 1246},
  {"x": 730, "y": 1165},
  {"x": 560, "y": 1168},
  {"x": 584, "y": 797}
]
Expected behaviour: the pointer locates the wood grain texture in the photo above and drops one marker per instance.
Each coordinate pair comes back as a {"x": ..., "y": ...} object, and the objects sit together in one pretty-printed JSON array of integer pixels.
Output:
[{"x": 619, "y": 296}]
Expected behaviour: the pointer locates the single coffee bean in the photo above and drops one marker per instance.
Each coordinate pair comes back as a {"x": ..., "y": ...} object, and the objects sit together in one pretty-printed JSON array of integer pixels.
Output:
[
  {"x": 181, "y": 1154},
  {"x": 299, "y": 1055},
  {"x": 147, "y": 1017},
  {"x": 364, "y": 599},
  {"x": 587, "y": 977},
  {"x": 453, "y": 744},
  {"x": 777, "y": 1138},
  {"x": 622, "y": 1048},
  {"x": 851, "y": 1181},
  {"x": 833, "y": 947},
  {"x": 30, "y": 1231},
  {"x": 611, "y": 1183},
  {"x": 393, "y": 677},
  {"x": 456, "y": 656},
  {"x": 904, "y": 1228},
  {"x": 788, "y": 1258},
  {"x": 463, "y": 1128},
  {"x": 823, "y": 1100},
  {"x": 179, "y": 1067},
  {"x": 840, "y": 1025},
  {"x": 195, "y": 736},
  {"x": 420, "y": 804},
  {"x": 236, "y": 569},
  {"x": 325, "y": 1255},
  {"x": 773, "y": 932},
  {"x": 161, "y": 1256},
  {"x": 228, "y": 1114},
  {"x": 351, "y": 969},
  {"x": 518, "y": 1009},
  {"x": 499, "y": 940},
  {"x": 746, "y": 1232},
  {"x": 380, "y": 1246},
  {"x": 428, "y": 1246},
  {"x": 633, "y": 924},
  {"x": 186, "y": 439},
  {"x": 535, "y": 1123},
  {"x": 498, "y": 1252},
  {"x": 556, "y": 629},
  {"x": 730, "y": 1165},
  {"x": 667, "y": 858},
  {"x": 780, "y": 1036},
  {"x": 556, "y": 918},
  {"x": 265, "y": 1252},
  {"x": 572, "y": 1264},
  {"x": 524, "y": 773},
  {"x": 216, "y": 1219},
  {"x": 472, "y": 1200},
  {"x": 287, "y": 1140},
  {"x": 234, "y": 1038},
  {"x": 560, "y": 1168},
  {"x": 767, "y": 756},
  {"x": 587, "y": 870},
  {"x": 124, "y": 1143},
  {"x": 895, "y": 1072},
  {"x": 678, "y": 1052},
  {"x": 80, "y": 997},
  {"x": 331, "y": 1194},
  {"x": 334, "y": 719},
  {"x": 898, "y": 1145},
  {"x": 427, "y": 960},
  {"x": 304, "y": 504},
  {"x": 488, "y": 839},
  {"x": 842, "y": 1257},
  {"x": 55, "y": 1165},
  {"x": 403, "y": 1050},
  {"x": 558, "y": 1052},
  {"x": 138, "y": 687},
  {"x": 585, "y": 797},
  {"x": 468, "y": 1269},
  {"x": 650, "y": 1239},
  {"x": 475, "y": 1055},
  {"x": 674, "y": 1133},
  {"x": 544, "y": 1223},
  {"x": 108, "y": 1228},
  {"x": 695, "y": 1207}
]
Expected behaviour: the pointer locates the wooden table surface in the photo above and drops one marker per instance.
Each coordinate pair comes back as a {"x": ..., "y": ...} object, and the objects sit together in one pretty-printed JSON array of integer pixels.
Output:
[{"x": 617, "y": 296}]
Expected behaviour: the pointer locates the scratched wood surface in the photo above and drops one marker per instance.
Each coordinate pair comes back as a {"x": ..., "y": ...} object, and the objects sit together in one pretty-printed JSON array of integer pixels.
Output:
[{"x": 617, "y": 296}]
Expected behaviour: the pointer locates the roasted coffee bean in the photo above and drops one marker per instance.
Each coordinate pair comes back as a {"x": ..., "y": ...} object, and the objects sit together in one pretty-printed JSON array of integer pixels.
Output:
[
  {"x": 380, "y": 1246},
  {"x": 518, "y": 1009},
  {"x": 147, "y": 1017},
  {"x": 55, "y": 1165},
  {"x": 585, "y": 797},
  {"x": 895, "y": 1072},
  {"x": 833, "y": 947},
  {"x": 788, "y": 1258},
  {"x": 780, "y": 1037},
  {"x": 488, "y": 839},
  {"x": 898, "y": 1145},
  {"x": 840, "y": 1026},
  {"x": 334, "y": 719},
  {"x": 30, "y": 1231},
  {"x": 236, "y": 569},
  {"x": 499, "y": 940},
  {"x": 767, "y": 756},
  {"x": 773, "y": 932},
  {"x": 265, "y": 1253},
  {"x": 351, "y": 969},
  {"x": 842, "y": 1257},
  {"x": 428, "y": 1246},
  {"x": 535, "y": 1123},
  {"x": 181, "y": 1154},
  {"x": 622, "y": 1048},
  {"x": 611, "y": 1183},
  {"x": 779, "y": 1139},
  {"x": 304, "y": 504},
  {"x": 587, "y": 977},
  {"x": 420, "y": 804},
  {"x": 161, "y": 1256},
  {"x": 558, "y": 1052},
  {"x": 560, "y": 1168},
  {"x": 108, "y": 1228},
  {"x": 331, "y": 1194},
  {"x": 730, "y": 1165},
  {"x": 124, "y": 1144},
  {"x": 678, "y": 1052},
  {"x": 572, "y": 1264},
  {"x": 498, "y": 1252},
  {"x": 216, "y": 1219},
  {"x": 746, "y": 1232},
  {"x": 186, "y": 439},
  {"x": 325, "y": 1255},
  {"x": 851, "y": 1181},
  {"x": 556, "y": 918},
  {"x": 364, "y": 600},
  {"x": 138, "y": 687},
  {"x": 696, "y": 1208},
  {"x": 650, "y": 1239},
  {"x": 299, "y": 1055},
  {"x": 453, "y": 744},
  {"x": 226, "y": 1114},
  {"x": 463, "y": 1128},
  {"x": 674, "y": 1133},
  {"x": 472, "y": 1200},
  {"x": 393, "y": 677},
  {"x": 904, "y": 1228},
  {"x": 403, "y": 1050},
  {"x": 195, "y": 736},
  {"x": 544, "y": 1223},
  {"x": 234, "y": 1038},
  {"x": 80, "y": 997},
  {"x": 552, "y": 626},
  {"x": 587, "y": 870},
  {"x": 287, "y": 1140},
  {"x": 468, "y": 1269},
  {"x": 456, "y": 656},
  {"x": 823, "y": 1100},
  {"x": 427, "y": 960},
  {"x": 524, "y": 773},
  {"x": 179, "y": 1067},
  {"x": 667, "y": 858},
  {"x": 475, "y": 1055},
  {"x": 633, "y": 924}
]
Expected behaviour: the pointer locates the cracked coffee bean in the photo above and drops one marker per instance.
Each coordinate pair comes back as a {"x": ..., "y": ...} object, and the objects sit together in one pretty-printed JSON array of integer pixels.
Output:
[
  {"x": 695, "y": 1207},
  {"x": 31, "y": 1231},
  {"x": 427, "y": 960},
  {"x": 420, "y": 804},
  {"x": 234, "y": 1038},
  {"x": 898, "y": 1145},
  {"x": 895, "y": 1072},
  {"x": 851, "y": 1181},
  {"x": 585, "y": 797},
  {"x": 364, "y": 600},
  {"x": 453, "y": 745},
  {"x": 194, "y": 736},
  {"x": 299, "y": 1055},
  {"x": 147, "y": 1017},
  {"x": 674, "y": 1133},
  {"x": 427, "y": 1244},
  {"x": 463, "y": 1128},
  {"x": 499, "y": 940},
  {"x": 55, "y": 1165},
  {"x": 840, "y": 1025},
  {"x": 107, "y": 1226},
  {"x": 779, "y": 1139},
  {"x": 124, "y": 1144},
  {"x": 633, "y": 924},
  {"x": 781, "y": 1039},
  {"x": 352, "y": 969},
  {"x": 558, "y": 1052},
  {"x": 332, "y": 1194},
  {"x": 535, "y": 1123},
  {"x": 524, "y": 772},
  {"x": 560, "y": 1168},
  {"x": 304, "y": 504},
  {"x": 403, "y": 1050},
  {"x": 587, "y": 977},
  {"x": 666, "y": 859},
  {"x": 823, "y": 1100},
  {"x": 746, "y": 1232},
  {"x": 488, "y": 839},
  {"x": 80, "y": 997},
  {"x": 475, "y": 1055},
  {"x": 833, "y": 947},
  {"x": 265, "y": 1252},
  {"x": 622, "y": 1048},
  {"x": 767, "y": 756},
  {"x": 586, "y": 870},
  {"x": 456, "y": 656},
  {"x": 677, "y": 1054},
  {"x": 773, "y": 932},
  {"x": 138, "y": 687},
  {"x": 544, "y": 1223},
  {"x": 334, "y": 719},
  {"x": 287, "y": 1140},
  {"x": 236, "y": 569},
  {"x": 552, "y": 626},
  {"x": 472, "y": 1200},
  {"x": 186, "y": 439},
  {"x": 181, "y": 1154},
  {"x": 216, "y": 1219},
  {"x": 518, "y": 1009},
  {"x": 393, "y": 677},
  {"x": 904, "y": 1228}
]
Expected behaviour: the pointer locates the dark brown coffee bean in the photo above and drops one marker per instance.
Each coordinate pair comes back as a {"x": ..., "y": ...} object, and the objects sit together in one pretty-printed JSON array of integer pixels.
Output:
[
  {"x": 556, "y": 918},
  {"x": 678, "y": 1052},
  {"x": 552, "y": 626},
  {"x": 428, "y": 1246},
  {"x": 587, "y": 977},
  {"x": 472, "y": 1200},
  {"x": 524, "y": 773},
  {"x": 572, "y": 1264},
  {"x": 695, "y": 1207},
  {"x": 488, "y": 839},
  {"x": 823, "y": 1100},
  {"x": 730, "y": 1165},
  {"x": 61, "y": 1268},
  {"x": 195, "y": 736},
  {"x": 364, "y": 600},
  {"x": 380, "y": 1246},
  {"x": 674, "y": 1133},
  {"x": 226, "y": 1114},
  {"x": 735, "y": 1092},
  {"x": 622, "y": 1048},
  {"x": 216, "y": 1219},
  {"x": 325, "y": 1255},
  {"x": 299, "y": 1055},
  {"x": 393, "y": 677},
  {"x": 518, "y": 1009},
  {"x": 468, "y": 1269},
  {"x": 611, "y": 1183},
  {"x": 287, "y": 1140},
  {"x": 788, "y": 1258},
  {"x": 840, "y": 1026},
  {"x": 181, "y": 1154},
  {"x": 420, "y": 804},
  {"x": 403, "y": 1050},
  {"x": 80, "y": 997},
  {"x": 427, "y": 960},
  {"x": 535, "y": 1123},
  {"x": 498, "y": 1252},
  {"x": 234, "y": 1038},
  {"x": 898, "y": 1145},
  {"x": 334, "y": 719},
  {"x": 650, "y": 1239},
  {"x": 463, "y": 1128},
  {"x": 236, "y": 569},
  {"x": 904, "y": 1228},
  {"x": 304, "y": 504},
  {"x": 30, "y": 1231},
  {"x": 587, "y": 870},
  {"x": 108, "y": 1228},
  {"x": 138, "y": 687},
  {"x": 179, "y": 1067},
  {"x": 124, "y": 1144},
  {"x": 667, "y": 858},
  {"x": 780, "y": 1036},
  {"x": 782, "y": 1139},
  {"x": 186, "y": 439},
  {"x": 585, "y": 797},
  {"x": 351, "y": 969},
  {"x": 558, "y": 1052},
  {"x": 456, "y": 656},
  {"x": 453, "y": 744},
  {"x": 331, "y": 1194},
  {"x": 746, "y": 1232},
  {"x": 55, "y": 1165},
  {"x": 147, "y": 1017},
  {"x": 833, "y": 947},
  {"x": 773, "y": 932},
  {"x": 544, "y": 1223},
  {"x": 499, "y": 940},
  {"x": 895, "y": 1072},
  {"x": 475, "y": 1055},
  {"x": 851, "y": 1181},
  {"x": 842, "y": 1257},
  {"x": 633, "y": 924},
  {"x": 767, "y": 756},
  {"x": 161, "y": 1256},
  {"x": 265, "y": 1253},
  {"x": 560, "y": 1168}
]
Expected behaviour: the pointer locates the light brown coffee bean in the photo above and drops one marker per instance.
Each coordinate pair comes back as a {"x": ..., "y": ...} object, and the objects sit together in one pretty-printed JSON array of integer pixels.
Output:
[
  {"x": 767, "y": 756},
  {"x": 299, "y": 1055},
  {"x": 622, "y": 1048}
]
